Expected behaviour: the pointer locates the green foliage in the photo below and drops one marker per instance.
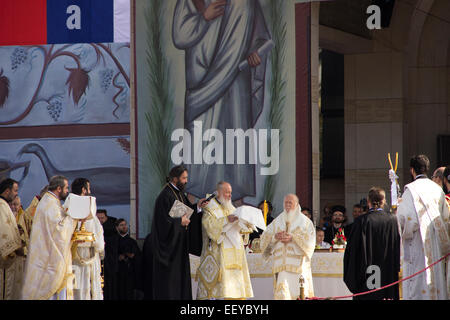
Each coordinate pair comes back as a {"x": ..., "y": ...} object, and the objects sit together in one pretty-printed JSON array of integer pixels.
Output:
[
  {"x": 160, "y": 114},
  {"x": 278, "y": 83}
]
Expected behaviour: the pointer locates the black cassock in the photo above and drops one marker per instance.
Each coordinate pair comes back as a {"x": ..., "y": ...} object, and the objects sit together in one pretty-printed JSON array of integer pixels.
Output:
[
  {"x": 122, "y": 277},
  {"x": 147, "y": 275},
  {"x": 374, "y": 240},
  {"x": 111, "y": 264},
  {"x": 170, "y": 245},
  {"x": 259, "y": 232},
  {"x": 129, "y": 277}
]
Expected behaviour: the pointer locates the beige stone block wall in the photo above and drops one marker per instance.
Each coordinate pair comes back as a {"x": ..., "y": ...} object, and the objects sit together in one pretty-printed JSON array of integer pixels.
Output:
[
  {"x": 397, "y": 92},
  {"x": 373, "y": 120}
]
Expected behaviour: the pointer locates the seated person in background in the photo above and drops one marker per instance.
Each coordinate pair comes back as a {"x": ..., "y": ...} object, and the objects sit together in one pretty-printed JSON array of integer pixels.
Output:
[
  {"x": 325, "y": 219},
  {"x": 337, "y": 222},
  {"x": 257, "y": 234},
  {"x": 308, "y": 212},
  {"x": 320, "y": 235}
]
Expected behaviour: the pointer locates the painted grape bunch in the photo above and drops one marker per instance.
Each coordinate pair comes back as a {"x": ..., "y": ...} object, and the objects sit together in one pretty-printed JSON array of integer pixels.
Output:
[
  {"x": 19, "y": 56},
  {"x": 106, "y": 79},
  {"x": 54, "y": 109}
]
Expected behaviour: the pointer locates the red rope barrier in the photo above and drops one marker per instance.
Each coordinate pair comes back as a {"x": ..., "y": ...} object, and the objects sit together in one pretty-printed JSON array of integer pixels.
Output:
[{"x": 384, "y": 287}]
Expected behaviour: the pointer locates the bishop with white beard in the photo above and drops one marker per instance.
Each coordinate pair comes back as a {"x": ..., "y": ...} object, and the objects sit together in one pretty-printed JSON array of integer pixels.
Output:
[
  {"x": 290, "y": 238},
  {"x": 223, "y": 271}
]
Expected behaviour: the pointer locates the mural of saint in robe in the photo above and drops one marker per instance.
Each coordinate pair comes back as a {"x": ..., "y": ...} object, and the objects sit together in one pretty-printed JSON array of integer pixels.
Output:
[{"x": 218, "y": 93}]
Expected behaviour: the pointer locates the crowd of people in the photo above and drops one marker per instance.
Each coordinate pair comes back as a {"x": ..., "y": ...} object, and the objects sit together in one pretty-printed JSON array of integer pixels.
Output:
[{"x": 41, "y": 259}]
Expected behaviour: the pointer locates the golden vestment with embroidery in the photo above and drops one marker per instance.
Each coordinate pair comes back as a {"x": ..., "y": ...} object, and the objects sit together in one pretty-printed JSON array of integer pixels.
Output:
[
  {"x": 29, "y": 213},
  {"x": 11, "y": 265},
  {"x": 48, "y": 268},
  {"x": 24, "y": 225},
  {"x": 223, "y": 270},
  {"x": 292, "y": 259}
]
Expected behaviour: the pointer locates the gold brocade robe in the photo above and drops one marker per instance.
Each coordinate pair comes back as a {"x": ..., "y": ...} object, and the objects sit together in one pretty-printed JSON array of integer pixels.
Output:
[
  {"x": 48, "y": 268},
  {"x": 223, "y": 270},
  {"x": 292, "y": 259},
  {"x": 11, "y": 265},
  {"x": 24, "y": 225},
  {"x": 29, "y": 213}
]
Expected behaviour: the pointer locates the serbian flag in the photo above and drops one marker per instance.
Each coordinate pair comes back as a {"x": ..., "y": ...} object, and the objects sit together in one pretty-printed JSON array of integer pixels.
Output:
[{"x": 33, "y": 22}]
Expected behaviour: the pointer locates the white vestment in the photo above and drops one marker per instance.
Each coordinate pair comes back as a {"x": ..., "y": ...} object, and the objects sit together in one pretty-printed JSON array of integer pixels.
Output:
[
  {"x": 86, "y": 256},
  {"x": 86, "y": 264},
  {"x": 11, "y": 265},
  {"x": 423, "y": 216},
  {"x": 292, "y": 259},
  {"x": 48, "y": 268}
]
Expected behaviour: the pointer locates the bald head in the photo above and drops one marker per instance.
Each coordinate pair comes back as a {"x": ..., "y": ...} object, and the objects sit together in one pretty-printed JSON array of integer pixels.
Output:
[
  {"x": 15, "y": 205},
  {"x": 438, "y": 176},
  {"x": 290, "y": 202}
]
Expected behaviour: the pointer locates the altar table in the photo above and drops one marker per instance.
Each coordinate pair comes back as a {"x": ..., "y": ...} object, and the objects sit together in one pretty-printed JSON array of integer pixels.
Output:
[{"x": 327, "y": 272}]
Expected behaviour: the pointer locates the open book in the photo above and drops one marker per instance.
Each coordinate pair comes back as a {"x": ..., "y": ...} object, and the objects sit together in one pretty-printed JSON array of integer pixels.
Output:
[
  {"x": 80, "y": 207},
  {"x": 252, "y": 215},
  {"x": 179, "y": 209}
]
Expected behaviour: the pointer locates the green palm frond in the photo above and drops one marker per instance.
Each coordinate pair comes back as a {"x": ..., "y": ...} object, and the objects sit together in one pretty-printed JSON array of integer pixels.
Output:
[
  {"x": 160, "y": 115},
  {"x": 277, "y": 84}
]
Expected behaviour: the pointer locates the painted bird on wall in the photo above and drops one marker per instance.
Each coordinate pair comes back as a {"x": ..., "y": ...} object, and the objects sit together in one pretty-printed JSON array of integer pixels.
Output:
[
  {"x": 6, "y": 167},
  {"x": 110, "y": 185}
]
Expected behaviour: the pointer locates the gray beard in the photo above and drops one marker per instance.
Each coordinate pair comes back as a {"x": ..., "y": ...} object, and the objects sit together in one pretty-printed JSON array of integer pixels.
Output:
[{"x": 227, "y": 204}]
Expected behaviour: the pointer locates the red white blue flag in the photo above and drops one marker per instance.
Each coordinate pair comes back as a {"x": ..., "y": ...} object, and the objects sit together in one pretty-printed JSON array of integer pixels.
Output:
[{"x": 32, "y": 22}]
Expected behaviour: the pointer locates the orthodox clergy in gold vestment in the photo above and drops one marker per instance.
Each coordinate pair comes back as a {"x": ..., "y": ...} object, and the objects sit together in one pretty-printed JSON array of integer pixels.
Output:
[
  {"x": 223, "y": 271},
  {"x": 291, "y": 239},
  {"x": 23, "y": 222},
  {"x": 48, "y": 269},
  {"x": 11, "y": 246},
  {"x": 29, "y": 212}
]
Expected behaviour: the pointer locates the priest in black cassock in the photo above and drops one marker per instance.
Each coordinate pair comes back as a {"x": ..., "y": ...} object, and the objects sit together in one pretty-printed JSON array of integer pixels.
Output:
[
  {"x": 374, "y": 241},
  {"x": 172, "y": 239},
  {"x": 129, "y": 275}
]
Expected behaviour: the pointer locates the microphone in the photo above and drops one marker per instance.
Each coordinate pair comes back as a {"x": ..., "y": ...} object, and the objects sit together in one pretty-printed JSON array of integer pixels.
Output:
[{"x": 213, "y": 195}]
